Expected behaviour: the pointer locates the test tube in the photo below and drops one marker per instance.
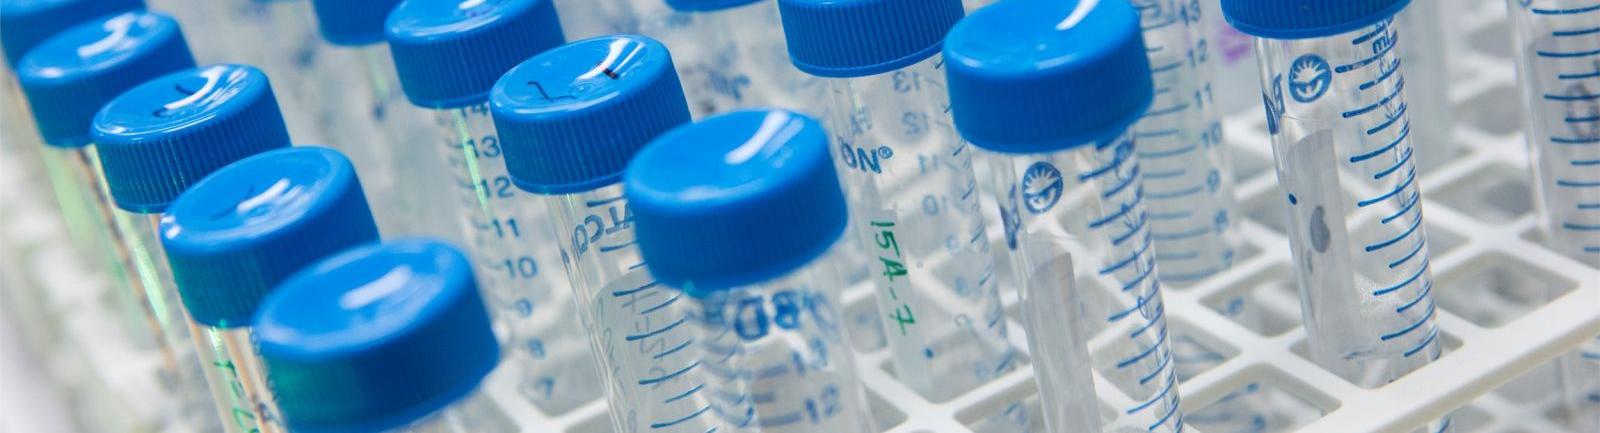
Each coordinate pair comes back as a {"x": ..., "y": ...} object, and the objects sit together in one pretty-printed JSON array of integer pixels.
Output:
[
  {"x": 743, "y": 213},
  {"x": 1066, "y": 176},
  {"x": 1336, "y": 111},
  {"x": 344, "y": 339},
  {"x": 236, "y": 234},
  {"x": 402, "y": 171},
  {"x": 67, "y": 78},
  {"x": 570, "y": 119},
  {"x": 154, "y": 141},
  {"x": 1557, "y": 46},
  {"x": 911, "y": 185},
  {"x": 1188, "y": 178},
  {"x": 449, "y": 55}
]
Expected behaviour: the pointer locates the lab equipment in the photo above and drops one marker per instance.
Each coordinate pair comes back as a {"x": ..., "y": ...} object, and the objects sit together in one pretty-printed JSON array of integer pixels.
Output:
[
  {"x": 742, "y": 213},
  {"x": 1557, "y": 46},
  {"x": 510, "y": 243},
  {"x": 910, "y": 182},
  {"x": 1336, "y": 110},
  {"x": 342, "y": 342},
  {"x": 154, "y": 141},
  {"x": 1425, "y": 57},
  {"x": 67, "y": 78},
  {"x": 233, "y": 236},
  {"x": 1066, "y": 176},
  {"x": 570, "y": 119},
  {"x": 712, "y": 44},
  {"x": 1188, "y": 178},
  {"x": 402, "y": 170}
]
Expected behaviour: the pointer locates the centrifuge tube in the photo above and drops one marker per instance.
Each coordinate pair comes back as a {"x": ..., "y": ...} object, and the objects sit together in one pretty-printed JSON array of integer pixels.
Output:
[
  {"x": 1188, "y": 179},
  {"x": 1066, "y": 176},
  {"x": 911, "y": 185},
  {"x": 341, "y": 341},
  {"x": 1336, "y": 110},
  {"x": 233, "y": 236},
  {"x": 402, "y": 170},
  {"x": 1558, "y": 63},
  {"x": 570, "y": 119},
  {"x": 67, "y": 79},
  {"x": 154, "y": 141},
  {"x": 742, "y": 214},
  {"x": 1557, "y": 49},
  {"x": 449, "y": 55}
]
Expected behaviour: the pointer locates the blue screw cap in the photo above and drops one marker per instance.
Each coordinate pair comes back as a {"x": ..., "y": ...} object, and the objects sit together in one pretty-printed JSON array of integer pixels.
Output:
[
  {"x": 857, "y": 38},
  {"x": 450, "y": 52},
  {"x": 1303, "y": 19},
  {"x": 376, "y": 337},
  {"x": 26, "y": 23},
  {"x": 708, "y": 5},
  {"x": 1038, "y": 76},
  {"x": 68, "y": 77},
  {"x": 572, "y": 117},
  {"x": 734, "y": 200},
  {"x": 352, "y": 23},
  {"x": 166, "y": 134},
  {"x": 236, "y": 234}
]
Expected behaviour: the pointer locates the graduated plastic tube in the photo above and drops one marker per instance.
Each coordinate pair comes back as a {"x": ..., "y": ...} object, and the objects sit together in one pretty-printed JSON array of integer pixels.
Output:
[
  {"x": 511, "y": 245},
  {"x": 1341, "y": 137},
  {"x": 341, "y": 338},
  {"x": 399, "y": 165},
  {"x": 615, "y": 94},
  {"x": 233, "y": 236},
  {"x": 1066, "y": 177},
  {"x": 156, "y": 140},
  {"x": 909, "y": 177},
  {"x": 742, "y": 214},
  {"x": 67, "y": 78},
  {"x": 1188, "y": 178},
  {"x": 1557, "y": 44}
]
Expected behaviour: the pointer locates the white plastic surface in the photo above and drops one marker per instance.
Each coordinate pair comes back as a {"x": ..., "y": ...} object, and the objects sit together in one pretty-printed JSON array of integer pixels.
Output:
[{"x": 1490, "y": 271}]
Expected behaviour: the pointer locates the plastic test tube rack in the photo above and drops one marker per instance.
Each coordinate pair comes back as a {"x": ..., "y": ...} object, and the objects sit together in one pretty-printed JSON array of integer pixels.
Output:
[{"x": 1490, "y": 270}]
